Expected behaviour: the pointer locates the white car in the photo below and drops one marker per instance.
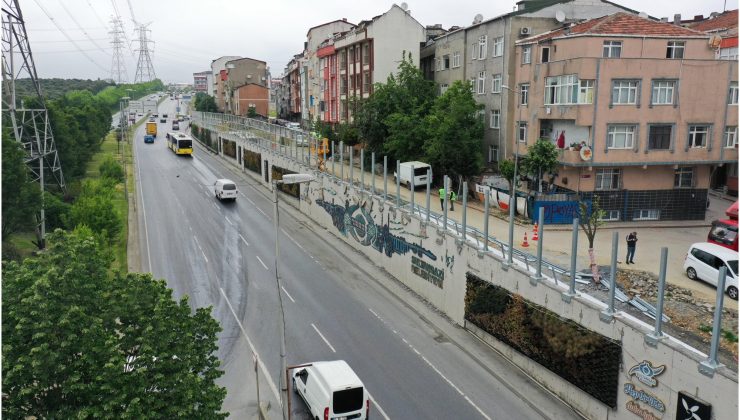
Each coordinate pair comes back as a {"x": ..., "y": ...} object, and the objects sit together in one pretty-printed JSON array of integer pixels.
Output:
[
  {"x": 332, "y": 390},
  {"x": 703, "y": 261},
  {"x": 225, "y": 189}
]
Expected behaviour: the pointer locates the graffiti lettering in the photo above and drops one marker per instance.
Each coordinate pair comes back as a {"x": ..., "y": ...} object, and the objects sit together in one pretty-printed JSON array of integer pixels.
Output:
[
  {"x": 428, "y": 272},
  {"x": 643, "y": 396},
  {"x": 351, "y": 219},
  {"x": 641, "y": 412}
]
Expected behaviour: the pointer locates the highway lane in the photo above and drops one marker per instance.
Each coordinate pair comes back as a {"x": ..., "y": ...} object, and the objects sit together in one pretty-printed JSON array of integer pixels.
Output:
[{"x": 334, "y": 309}]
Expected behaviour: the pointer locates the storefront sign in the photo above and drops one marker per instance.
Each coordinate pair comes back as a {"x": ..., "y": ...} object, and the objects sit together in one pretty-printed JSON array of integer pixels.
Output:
[
  {"x": 428, "y": 272},
  {"x": 643, "y": 413},
  {"x": 642, "y": 396},
  {"x": 691, "y": 408},
  {"x": 645, "y": 372}
]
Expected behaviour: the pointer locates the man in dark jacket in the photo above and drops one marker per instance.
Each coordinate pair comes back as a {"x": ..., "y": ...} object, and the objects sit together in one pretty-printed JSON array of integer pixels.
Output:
[{"x": 631, "y": 246}]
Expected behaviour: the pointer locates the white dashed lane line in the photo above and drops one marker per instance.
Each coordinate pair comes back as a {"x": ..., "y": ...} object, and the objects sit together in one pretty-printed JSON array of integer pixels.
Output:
[
  {"x": 227, "y": 219},
  {"x": 434, "y": 368},
  {"x": 216, "y": 207},
  {"x": 288, "y": 294},
  {"x": 262, "y": 262},
  {"x": 323, "y": 338},
  {"x": 243, "y": 240},
  {"x": 199, "y": 247}
]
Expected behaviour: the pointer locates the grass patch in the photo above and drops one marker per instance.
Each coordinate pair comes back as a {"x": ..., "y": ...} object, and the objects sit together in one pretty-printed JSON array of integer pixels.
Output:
[
  {"x": 705, "y": 328},
  {"x": 24, "y": 243}
]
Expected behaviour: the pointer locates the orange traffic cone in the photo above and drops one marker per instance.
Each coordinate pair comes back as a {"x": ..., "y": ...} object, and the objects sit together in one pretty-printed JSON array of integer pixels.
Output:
[
  {"x": 535, "y": 237},
  {"x": 525, "y": 244}
]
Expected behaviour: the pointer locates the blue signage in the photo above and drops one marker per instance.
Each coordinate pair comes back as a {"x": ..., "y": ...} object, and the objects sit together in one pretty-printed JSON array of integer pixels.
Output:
[{"x": 558, "y": 212}]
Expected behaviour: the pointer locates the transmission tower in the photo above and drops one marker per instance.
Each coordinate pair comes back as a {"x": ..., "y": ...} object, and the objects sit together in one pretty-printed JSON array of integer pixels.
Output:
[
  {"x": 144, "y": 68},
  {"x": 118, "y": 68},
  {"x": 31, "y": 126}
]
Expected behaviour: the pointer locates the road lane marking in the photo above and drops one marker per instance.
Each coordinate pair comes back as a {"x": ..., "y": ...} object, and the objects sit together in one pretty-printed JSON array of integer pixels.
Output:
[
  {"x": 227, "y": 219},
  {"x": 263, "y": 213},
  {"x": 292, "y": 240},
  {"x": 434, "y": 368},
  {"x": 143, "y": 211},
  {"x": 288, "y": 294},
  {"x": 199, "y": 247},
  {"x": 261, "y": 262},
  {"x": 243, "y": 240},
  {"x": 377, "y": 406},
  {"x": 323, "y": 338},
  {"x": 265, "y": 373},
  {"x": 217, "y": 208}
]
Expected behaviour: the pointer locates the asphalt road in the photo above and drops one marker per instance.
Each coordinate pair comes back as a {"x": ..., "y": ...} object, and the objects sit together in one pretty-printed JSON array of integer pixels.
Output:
[{"x": 222, "y": 255}]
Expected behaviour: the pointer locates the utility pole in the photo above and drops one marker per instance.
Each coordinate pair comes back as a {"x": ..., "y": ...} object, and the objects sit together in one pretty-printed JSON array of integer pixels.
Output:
[
  {"x": 144, "y": 67},
  {"x": 118, "y": 68},
  {"x": 31, "y": 126}
]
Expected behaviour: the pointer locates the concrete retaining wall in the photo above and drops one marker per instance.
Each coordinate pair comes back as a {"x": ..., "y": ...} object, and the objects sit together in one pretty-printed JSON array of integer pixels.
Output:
[{"x": 434, "y": 263}]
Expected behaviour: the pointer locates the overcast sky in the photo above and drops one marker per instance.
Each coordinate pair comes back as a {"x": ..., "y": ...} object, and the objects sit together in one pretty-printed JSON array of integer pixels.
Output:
[{"x": 189, "y": 34}]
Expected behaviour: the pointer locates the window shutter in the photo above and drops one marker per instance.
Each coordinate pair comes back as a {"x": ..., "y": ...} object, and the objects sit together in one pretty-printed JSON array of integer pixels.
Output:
[
  {"x": 688, "y": 138},
  {"x": 672, "y": 145},
  {"x": 636, "y": 143},
  {"x": 710, "y": 132},
  {"x": 638, "y": 98}
]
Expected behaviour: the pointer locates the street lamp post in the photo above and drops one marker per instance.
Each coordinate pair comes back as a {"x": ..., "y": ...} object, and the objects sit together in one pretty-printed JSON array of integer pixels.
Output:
[
  {"x": 287, "y": 179},
  {"x": 512, "y": 199}
]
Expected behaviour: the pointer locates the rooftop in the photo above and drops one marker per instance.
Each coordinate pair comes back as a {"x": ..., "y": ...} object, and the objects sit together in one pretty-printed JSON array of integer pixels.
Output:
[{"x": 725, "y": 20}]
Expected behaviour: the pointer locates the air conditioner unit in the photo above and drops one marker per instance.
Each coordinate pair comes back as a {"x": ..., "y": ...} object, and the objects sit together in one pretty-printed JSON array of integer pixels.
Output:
[{"x": 525, "y": 31}]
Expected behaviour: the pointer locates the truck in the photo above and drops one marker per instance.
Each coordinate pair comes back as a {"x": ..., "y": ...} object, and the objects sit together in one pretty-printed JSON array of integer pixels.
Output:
[
  {"x": 724, "y": 232},
  {"x": 151, "y": 128},
  {"x": 419, "y": 174}
]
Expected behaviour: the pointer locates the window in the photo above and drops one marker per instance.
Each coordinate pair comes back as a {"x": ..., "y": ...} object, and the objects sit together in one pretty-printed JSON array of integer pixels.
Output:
[
  {"x": 561, "y": 90},
  {"x": 496, "y": 83},
  {"x": 495, "y": 118},
  {"x": 342, "y": 85},
  {"x": 366, "y": 81},
  {"x": 698, "y": 135},
  {"x": 481, "y": 83},
  {"x": 612, "y": 49},
  {"x": 526, "y": 54},
  {"x": 675, "y": 49},
  {"x": 343, "y": 58},
  {"x": 522, "y": 131},
  {"x": 524, "y": 94},
  {"x": 456, "y": 59},
  {"x": 732, "y": 97},
  {"x": 650, "y": 214},
  {"x": 545, "y": 55},
  {"x": 351, "y": 83},
  {"x": 620, "y": 136},
  {"x": 684, "y": 177},
  {"x": 730, "y": 53},
  {"x": 586, "y": 92},
  {"x": 443, "y": 88},
  {"x": 730, "y": 137},
  {"x": 607, "y": 179},
  {"x": 446, "y": 62},
  {"x": 498, "y": 46},
  {"x": 624, "y": 92},
  {"x": 357, "y": 54},
  {"x": 365, "y": 53},
  {"x": 663, "y": 92},
  {"x": 659, "y": 137},
  {"x": 492, "y": 154},
  {"x": 482, "y": 45},
  {"x": 610, "y": 216}
]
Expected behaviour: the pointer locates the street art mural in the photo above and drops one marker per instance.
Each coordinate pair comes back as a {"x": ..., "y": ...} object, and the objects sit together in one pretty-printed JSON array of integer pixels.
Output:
[{"x": 357, "y": 221}]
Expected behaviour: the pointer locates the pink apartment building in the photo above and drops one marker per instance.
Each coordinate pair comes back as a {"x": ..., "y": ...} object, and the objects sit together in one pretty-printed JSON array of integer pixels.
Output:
[{"x": 655, "y": 107}]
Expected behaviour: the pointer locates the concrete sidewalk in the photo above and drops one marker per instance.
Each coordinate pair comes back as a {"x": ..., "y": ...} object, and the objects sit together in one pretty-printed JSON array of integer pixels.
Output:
[{"x": 677, "y": 236}]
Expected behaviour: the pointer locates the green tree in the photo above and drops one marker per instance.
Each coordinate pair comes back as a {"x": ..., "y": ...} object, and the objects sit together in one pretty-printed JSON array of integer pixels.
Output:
[
  {"x": 348, "y": 133},
  {"x": 56, "y": 212},
  {"x": 111, "y": 169},
  {"x": 21, "y": 198},
  {"x": 506, "y": 169},
  {"x": 542, "y": 158},
  {"x": 590, "y": 222},
  {"x": 455, "y": 133},
  {"x": 204, "y": 102},
  {"x": 94, "y": 208},
  {"x": 81, "y": 343}
]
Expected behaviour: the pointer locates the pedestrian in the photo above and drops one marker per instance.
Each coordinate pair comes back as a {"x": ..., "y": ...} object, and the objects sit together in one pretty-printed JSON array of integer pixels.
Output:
[
  {"x": 631, "y": 245},
  {"x": 442, "y": 198},
  {"x": 453, "y": 197}
]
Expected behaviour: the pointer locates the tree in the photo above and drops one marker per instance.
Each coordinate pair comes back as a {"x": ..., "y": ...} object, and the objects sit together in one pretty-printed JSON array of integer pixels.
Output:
[
  {"x": 94, "y": 208},
  {"x": 21, "y": 198},
  {"x": 81, "y": 343},
  {"x": 252, "y": 112},
  {"x": 455, "y": 133},
  {"x": 204, "y": 102},
  {"x": 506, "y": 169},
  {"x": 541, "y": 158},
  {"x": 110, "y": 168},
  {"x": 590, "y": 222}
]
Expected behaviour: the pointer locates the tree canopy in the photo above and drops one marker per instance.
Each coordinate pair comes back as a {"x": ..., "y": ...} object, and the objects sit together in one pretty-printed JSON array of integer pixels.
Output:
[
  {"x": 81, "y": 343},
  {"x": 21, "y": 198},
  {"x": 542, "y": 158},
  {"x": 204, "y": 103}
]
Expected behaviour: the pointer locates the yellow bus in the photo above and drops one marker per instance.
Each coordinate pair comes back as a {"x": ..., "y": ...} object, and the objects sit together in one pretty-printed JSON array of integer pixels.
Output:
[{"x": 180, "y": 143}]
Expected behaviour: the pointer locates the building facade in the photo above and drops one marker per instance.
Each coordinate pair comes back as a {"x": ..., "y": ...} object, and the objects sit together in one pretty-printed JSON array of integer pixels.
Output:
[
  {"x": 202, "y": 81},
  {"x": 251, "y": 95},
  {"x": 242, "y": 72},
  {"x": 634, "y": 95},
  {"x": 218, "y": 69}
]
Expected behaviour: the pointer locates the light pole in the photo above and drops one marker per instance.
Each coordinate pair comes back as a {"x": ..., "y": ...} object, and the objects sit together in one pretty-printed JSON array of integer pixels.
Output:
[
  {"x": 287, "y": 179},
  {"x": 512, "y": 200}
]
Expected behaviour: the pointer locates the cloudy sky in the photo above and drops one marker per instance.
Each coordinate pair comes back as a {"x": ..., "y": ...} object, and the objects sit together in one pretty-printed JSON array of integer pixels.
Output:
[{"x": 189, "y": 34}]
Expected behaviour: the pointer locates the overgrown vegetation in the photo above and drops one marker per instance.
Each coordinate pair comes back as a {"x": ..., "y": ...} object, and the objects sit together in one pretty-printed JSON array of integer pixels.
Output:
[{"x": 204, "y": 102}]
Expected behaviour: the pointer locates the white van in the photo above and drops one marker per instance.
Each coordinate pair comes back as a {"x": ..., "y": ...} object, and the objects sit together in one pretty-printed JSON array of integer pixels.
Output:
[
  {"x": 332, "y": 390},
  {"x": 420, "y": 174},
  {"x": 704, "y": 260},
  {"x": 225, "y": 189}
]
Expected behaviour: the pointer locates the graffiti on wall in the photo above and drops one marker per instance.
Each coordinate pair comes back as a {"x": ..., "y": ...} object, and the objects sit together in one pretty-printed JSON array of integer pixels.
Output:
[{"x": 357, "y": 221}]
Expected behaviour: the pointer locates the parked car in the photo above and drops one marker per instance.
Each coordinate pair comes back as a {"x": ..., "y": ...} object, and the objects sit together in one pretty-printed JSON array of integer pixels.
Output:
[
  {"x": 225, "y": 189},
  {"x": 332, "y": 390},
  {"x": 703, "y": 261},
  {"x": 419, "y": 175}
]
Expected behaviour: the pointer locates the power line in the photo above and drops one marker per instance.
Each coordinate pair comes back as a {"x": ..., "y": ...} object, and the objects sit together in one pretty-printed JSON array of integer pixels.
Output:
[
  {"x": 118, "y": 15},
  {"x": 118, "y": 68},
  {"x": 80, "y": 26},
  {"x": 68, "y": 37},
  {"x": 144, "y": 67},
  {"x": 96, "y": 14}
]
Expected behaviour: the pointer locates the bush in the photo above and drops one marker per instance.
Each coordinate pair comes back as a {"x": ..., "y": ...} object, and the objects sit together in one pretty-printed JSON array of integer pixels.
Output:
[
  {"x": 110, "y": 168},
  {"x": 95, "y": 209}
]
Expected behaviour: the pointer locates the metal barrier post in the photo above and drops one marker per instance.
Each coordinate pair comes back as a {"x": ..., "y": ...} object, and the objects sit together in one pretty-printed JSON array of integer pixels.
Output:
[
  {"x": 341, "y": 159},
  {"x": 385, "y": 178},
  {"x": 398, "y": 183},
  {"x": 445, "y": 202},
  {"x": 351, "y": 167},
  {"x": 540, "y": 220},
  {"x": 486, "y": 215},
  {"x": 372, "y": 170},
  {"x": 413, "y": 188},
  {"x": 709, "y": 366},
  {"x": 573, "y": 254},
  {"x": 657, "y": 335},
  {"x": 429, "y": 189},
  {"x": 333, "y": 172},
  {"x": 465, "y": 210},
  {"x": 608, "y": 314},
  {"x": 512, "y": 207},
  {"x": 362, "y": 169}
]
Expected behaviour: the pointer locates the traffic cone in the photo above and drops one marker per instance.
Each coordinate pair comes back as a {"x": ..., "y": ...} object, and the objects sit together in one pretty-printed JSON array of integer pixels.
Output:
[
  {"x": 535, "y": 237},
  {"x": 525, "y": 244}
]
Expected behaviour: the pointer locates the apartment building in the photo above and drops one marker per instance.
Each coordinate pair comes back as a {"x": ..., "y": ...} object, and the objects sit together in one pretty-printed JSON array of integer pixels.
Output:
[
  {"x": 656, "y": 113},
  {"x": 203, "y": 82},
  {"x": 292, "y": 88},
  {"x": 245, "y": 85},
  {"x": 218, "y": 69}
]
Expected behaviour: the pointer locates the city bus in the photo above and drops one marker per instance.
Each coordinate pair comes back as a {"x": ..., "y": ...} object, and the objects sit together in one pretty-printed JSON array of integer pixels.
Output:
[{"x": 180, "y": 143}]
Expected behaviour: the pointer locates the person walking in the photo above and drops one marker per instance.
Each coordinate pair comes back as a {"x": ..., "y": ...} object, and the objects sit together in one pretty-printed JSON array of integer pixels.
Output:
[
  {"x": 453, "y": 197},
  {"x": 631, "y": 246},
  {"x": 442, "y": 198}
]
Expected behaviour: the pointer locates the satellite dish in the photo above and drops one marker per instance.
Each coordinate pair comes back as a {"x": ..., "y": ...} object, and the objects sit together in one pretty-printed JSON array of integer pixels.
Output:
[
  {"x": 404, "y": 6},
  {"x": 643, "y": 15},
  {"x": 478, "y": 18},
  {"x": 560, "y": 16}
]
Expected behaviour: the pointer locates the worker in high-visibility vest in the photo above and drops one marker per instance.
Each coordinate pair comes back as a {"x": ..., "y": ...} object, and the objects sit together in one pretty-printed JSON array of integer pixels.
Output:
[{"x": 442, "y": 198}]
